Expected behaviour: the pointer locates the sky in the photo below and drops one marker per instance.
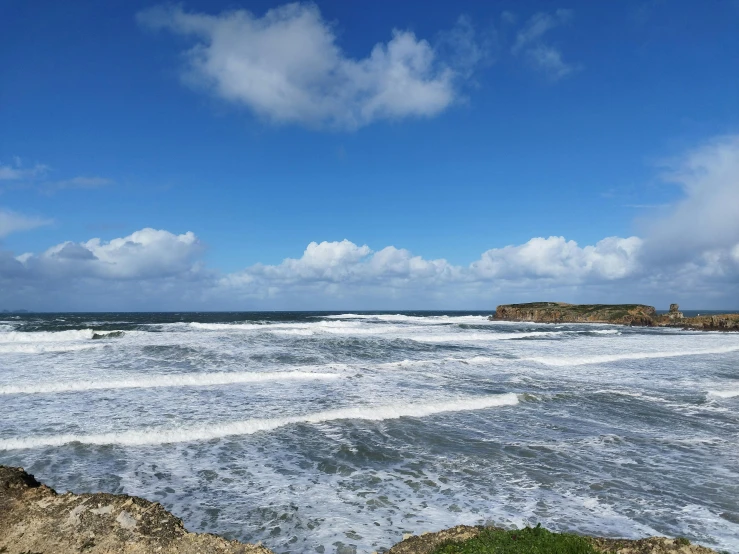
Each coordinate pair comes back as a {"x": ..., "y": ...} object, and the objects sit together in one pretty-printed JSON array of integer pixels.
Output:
[{"x": 334, "y": 155}]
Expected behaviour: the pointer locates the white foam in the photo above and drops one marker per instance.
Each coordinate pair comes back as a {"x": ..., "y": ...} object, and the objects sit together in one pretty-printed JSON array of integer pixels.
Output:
[
  {"x": 224, "y": 326},
  {"x": 731, "y": 393},
  {"x": 424, "y": 320},
  {"x": 605, "y": 358},
  {"x": 473, "y": 360},
  {"x": 154, "y": 436},
  {"x": 484, "y": 336},
  {"x": 180, "y": 380},
  {"x": 48, "y": 336},
  {"x": 30, "y": 348}
]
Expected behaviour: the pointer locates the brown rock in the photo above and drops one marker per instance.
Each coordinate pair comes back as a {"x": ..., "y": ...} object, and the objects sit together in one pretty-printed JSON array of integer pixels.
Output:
[
  {"x": 34, "y": 518},
  {"x": 428, "y": 542}
]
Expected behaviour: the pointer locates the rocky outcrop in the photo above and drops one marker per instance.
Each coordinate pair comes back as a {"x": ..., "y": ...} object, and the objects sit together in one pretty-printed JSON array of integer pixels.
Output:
[
  {"x": 617, "y": 314},
  {"x": 559, "y": 312},
  {"x": 720, "y": 322},
  {"x": 429, "y": 542},
  {"x": 35, "y": 519}
]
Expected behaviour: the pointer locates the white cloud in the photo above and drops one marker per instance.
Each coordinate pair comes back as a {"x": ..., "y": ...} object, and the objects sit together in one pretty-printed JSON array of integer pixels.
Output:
[
  {"x": 530, "y": 43},
  {"x": 706, "y": 218},
  {"x": 145, "y": 254},
  {"x": 287, "y": 66},
  {"x": 17, "y": 172},
  {"x": 12, "y": 222},
  {"x": 37, "y": 176},
  {"x": 555, "y": 258},
  {"x": 341, "y": 265}
]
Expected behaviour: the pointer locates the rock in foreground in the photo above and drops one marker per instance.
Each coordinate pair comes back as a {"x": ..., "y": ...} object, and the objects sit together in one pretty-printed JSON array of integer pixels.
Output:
[
  {"x": 466, "y": 539},
  {"x": 35, "y": 519}
]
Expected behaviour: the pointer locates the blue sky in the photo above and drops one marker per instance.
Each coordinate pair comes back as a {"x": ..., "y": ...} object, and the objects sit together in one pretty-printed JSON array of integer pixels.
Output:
[{"x": 444, "y": 130}]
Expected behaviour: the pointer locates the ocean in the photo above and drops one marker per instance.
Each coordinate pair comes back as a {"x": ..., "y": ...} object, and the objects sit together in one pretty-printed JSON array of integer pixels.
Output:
[{"x": 340, "y": 432}]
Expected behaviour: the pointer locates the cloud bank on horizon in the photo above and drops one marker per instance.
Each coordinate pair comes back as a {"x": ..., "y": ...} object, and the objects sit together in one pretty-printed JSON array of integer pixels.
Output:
[{"x": 690, "y": 253}]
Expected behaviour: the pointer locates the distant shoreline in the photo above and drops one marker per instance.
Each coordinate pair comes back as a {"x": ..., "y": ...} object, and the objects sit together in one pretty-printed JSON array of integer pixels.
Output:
[{"x": 635, "y": 315}]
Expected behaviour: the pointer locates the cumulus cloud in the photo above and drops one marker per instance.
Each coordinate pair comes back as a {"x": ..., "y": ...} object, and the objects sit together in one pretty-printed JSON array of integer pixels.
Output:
[
  {"x": 558, "y": 259},
  {"x": 343, "y": 268},
  {"x": 531, "y": 44},
  {"x": 145, "y": 254},
  {"x": 12, "y": 222},
  {"x": 706, "y": 218},
  {"x": 287, "y": 66}
]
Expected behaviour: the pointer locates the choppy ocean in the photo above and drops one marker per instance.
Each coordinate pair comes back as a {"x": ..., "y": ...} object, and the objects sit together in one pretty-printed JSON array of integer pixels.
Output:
[{"x": 318, "y": 432}]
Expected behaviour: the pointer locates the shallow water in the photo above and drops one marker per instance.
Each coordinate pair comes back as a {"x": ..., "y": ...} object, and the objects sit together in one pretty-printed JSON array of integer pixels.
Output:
[{"x": 312, "y": 432}]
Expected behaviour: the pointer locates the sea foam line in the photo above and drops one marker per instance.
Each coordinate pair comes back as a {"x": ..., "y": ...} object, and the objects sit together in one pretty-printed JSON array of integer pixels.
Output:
[
  {"x": 563, "y": 362},
  {"x": 180, "y": 380},
  {"x": 155, "y": 436},
  {"x": 724, "y": 393}
]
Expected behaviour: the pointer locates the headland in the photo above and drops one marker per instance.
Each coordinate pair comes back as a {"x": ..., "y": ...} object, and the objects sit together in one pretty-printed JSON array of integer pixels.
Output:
[{"x": 615, "y": 314}]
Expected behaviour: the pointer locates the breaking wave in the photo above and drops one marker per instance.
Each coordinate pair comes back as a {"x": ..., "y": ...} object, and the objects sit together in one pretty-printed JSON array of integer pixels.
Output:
[
  {"x": 55, "y": 336},
  {"x": 251, "y": 426},
  {"x": 732, "y": 393},
  {"x": 585, "y": 360},
  {"x": 186, "y": 380}
]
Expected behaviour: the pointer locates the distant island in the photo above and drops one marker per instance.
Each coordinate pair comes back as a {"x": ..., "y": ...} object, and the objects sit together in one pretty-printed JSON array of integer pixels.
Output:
[{"x": 616, "y": 314}]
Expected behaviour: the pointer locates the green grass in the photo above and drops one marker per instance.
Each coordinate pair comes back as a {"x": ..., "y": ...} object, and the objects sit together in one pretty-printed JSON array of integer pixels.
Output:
[{"x": 531, "y": 540}]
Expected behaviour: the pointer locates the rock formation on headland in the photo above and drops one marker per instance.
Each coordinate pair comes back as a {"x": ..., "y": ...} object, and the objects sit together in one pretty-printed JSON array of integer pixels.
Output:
[
  {"x": 34, "y": 519},
  {"x": 617, "y": 314}
]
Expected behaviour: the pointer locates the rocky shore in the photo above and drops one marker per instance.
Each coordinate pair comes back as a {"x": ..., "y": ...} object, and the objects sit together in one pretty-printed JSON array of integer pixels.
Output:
[
  {"x": 616, "y": 314},
  {"x": 34, "y": 519}
]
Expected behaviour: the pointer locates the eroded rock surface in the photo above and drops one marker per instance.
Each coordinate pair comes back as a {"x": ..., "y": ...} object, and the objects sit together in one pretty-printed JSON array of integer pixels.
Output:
[
  {"x": 35, "y": 519},
  {"x": 428, "y": 542}
]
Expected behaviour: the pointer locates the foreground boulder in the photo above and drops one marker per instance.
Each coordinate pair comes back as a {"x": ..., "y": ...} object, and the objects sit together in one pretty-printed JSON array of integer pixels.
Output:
[
  {"x": 464, "y": 538},
  {"x": 35, "y": 519}
]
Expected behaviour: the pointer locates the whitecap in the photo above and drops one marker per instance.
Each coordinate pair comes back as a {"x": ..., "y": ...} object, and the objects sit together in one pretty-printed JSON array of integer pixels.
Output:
[{"x": 155, "y": 436}]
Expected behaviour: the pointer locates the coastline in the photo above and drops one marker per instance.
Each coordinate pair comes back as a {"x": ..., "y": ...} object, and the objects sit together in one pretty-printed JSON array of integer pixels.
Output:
[
  {"x": 36, "y": 519},
  {"x": 638, "y": 315}
]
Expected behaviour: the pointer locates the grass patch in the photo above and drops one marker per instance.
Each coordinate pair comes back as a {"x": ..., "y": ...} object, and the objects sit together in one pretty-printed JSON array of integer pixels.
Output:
[{"x": 531, "y": 540}]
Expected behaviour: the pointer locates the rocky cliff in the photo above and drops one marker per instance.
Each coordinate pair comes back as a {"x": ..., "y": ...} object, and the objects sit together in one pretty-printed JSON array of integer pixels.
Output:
[
  {"x": 559, "y": 312},
  {"x": 617, "y": 314}
]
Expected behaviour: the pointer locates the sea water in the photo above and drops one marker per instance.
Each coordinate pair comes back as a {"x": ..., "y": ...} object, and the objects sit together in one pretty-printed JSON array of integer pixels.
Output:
[{"x": 330, "y": 432}]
